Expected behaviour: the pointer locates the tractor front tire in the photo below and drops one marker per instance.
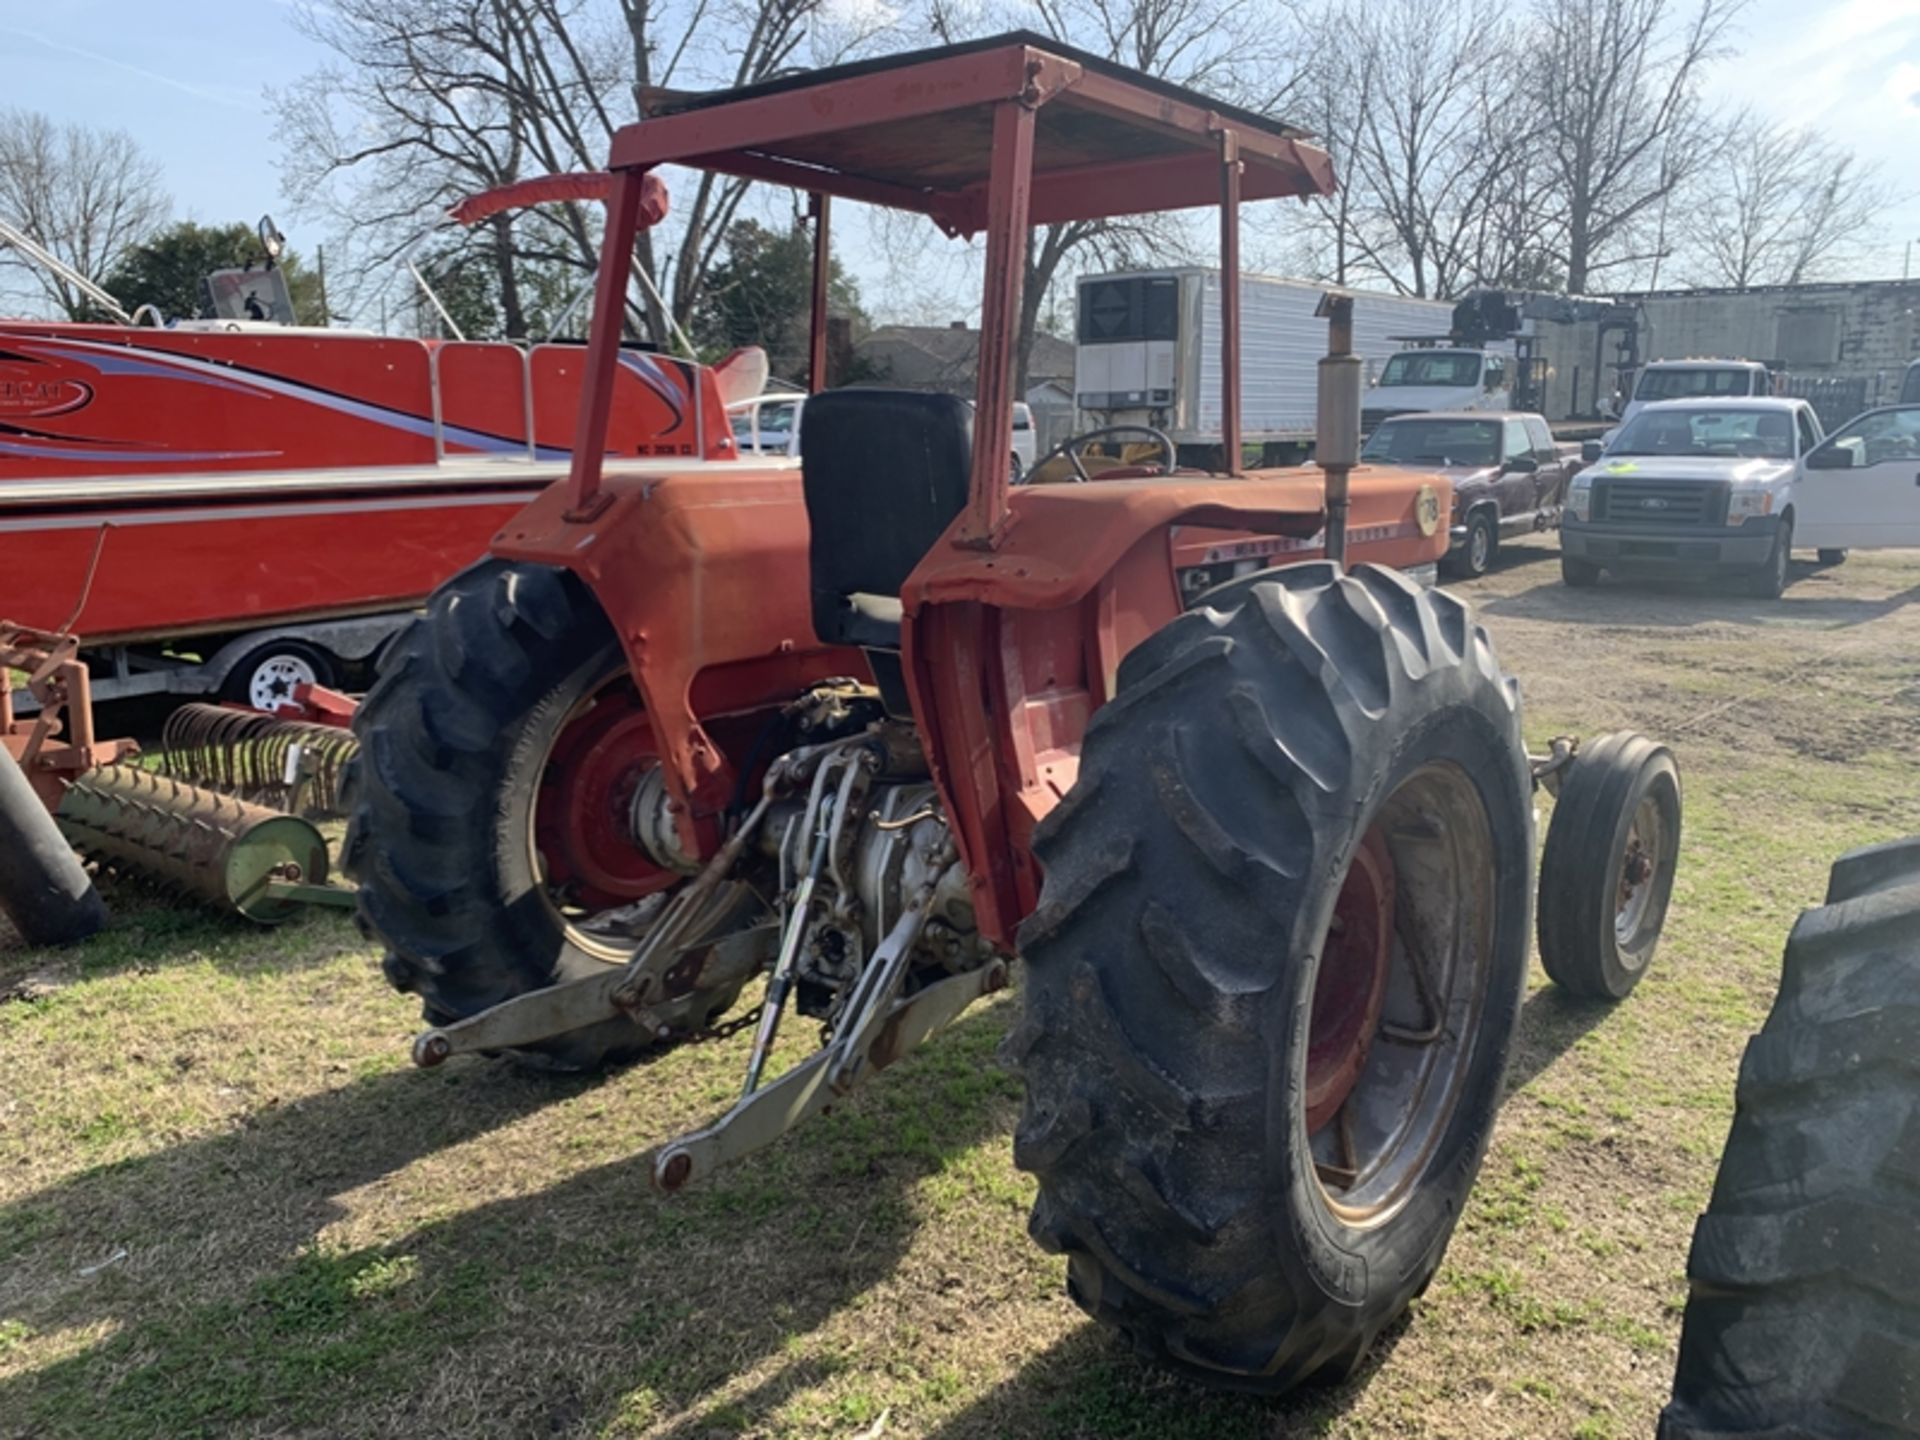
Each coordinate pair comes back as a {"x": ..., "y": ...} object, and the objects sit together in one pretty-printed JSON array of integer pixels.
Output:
[
  {"x": 1606, "y": 871},
  {"x": 1301, "y": 738},
  {"x": 453, "y": 740},
  {"x": 1804, "y": 1316}
]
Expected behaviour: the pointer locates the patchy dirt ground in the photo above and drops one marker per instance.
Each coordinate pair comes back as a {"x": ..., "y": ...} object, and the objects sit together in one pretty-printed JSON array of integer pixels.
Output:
[{"x": 228, "y": 1207}]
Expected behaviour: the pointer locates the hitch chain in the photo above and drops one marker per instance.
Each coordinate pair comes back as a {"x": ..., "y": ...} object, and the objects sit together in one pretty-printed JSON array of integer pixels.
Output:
[{"x": 723, "y": 1029}]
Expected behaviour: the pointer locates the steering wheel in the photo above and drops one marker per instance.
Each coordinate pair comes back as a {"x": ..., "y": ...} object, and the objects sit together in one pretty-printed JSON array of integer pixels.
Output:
[{"x": 1071, "y": 446}]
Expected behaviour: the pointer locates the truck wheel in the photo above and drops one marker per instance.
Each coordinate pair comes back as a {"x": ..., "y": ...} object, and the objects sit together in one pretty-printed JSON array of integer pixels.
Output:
[
  {"x": 499, "y": 752},
  {"x": 1804, "y": 1317},
  {"x": 265, "y": 677},
  {"x": 1274, "y": 971},
  {"x": 1769, "y": 582},
  {"x": 1832, "y": 557},
  {"x": 1577, "y": 573},
  {"x": 1476, "y": 554},
  {"x": 1606, "y": 873}
]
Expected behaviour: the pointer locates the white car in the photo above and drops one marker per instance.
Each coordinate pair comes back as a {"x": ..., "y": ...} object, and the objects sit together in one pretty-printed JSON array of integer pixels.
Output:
[{"x": 770, "y": 425}]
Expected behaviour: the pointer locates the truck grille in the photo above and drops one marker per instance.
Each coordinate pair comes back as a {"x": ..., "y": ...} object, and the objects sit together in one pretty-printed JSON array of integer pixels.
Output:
[{"x": 1660, "y": 502}]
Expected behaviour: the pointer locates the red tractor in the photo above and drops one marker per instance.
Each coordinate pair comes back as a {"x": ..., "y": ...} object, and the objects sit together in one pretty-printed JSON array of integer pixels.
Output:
[{"x": 873, "y": 724}]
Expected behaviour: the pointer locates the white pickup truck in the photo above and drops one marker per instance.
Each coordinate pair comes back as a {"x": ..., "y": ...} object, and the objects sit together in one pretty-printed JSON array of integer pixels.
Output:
[{"x": 1736, "y": 485}]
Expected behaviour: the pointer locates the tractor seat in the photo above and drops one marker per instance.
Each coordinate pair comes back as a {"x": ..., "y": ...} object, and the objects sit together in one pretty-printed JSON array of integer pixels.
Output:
[{"x": 884, "y": 473}]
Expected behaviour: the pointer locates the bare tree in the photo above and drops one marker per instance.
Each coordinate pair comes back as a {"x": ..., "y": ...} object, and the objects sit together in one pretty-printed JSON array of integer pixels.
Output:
[
  {"x": 429, "y": 100},
  {"x": 1622, "y": 123},
  {"x": 1781, "y": 206},
  {"x": 1430, "y": 151},
  {"x": 87, "y": 196}
]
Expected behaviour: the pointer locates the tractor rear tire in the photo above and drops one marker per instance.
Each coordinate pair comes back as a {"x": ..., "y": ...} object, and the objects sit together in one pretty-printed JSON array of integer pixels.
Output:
[
  {"x": 1804, "y": 1317},
  {"x": 453, "y": 739},
  {"x": 1226, "y": 797}
]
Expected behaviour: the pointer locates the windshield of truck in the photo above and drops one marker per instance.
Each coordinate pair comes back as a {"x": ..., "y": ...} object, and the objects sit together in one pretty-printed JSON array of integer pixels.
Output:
[
  {"x": 1758, "y": 434},
  {"x": 1692, "y": 384},
  {"x": 1432, "y": 367},
  {"x": 1434, "y": 442}
]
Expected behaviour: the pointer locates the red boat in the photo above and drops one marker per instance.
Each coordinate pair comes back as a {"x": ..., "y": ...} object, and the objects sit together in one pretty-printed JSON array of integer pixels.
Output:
[{"x": 165, "y": 483}]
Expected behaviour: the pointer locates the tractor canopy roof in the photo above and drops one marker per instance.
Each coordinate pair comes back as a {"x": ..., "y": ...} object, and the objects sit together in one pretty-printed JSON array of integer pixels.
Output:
[{"x": 916, "y": 132}]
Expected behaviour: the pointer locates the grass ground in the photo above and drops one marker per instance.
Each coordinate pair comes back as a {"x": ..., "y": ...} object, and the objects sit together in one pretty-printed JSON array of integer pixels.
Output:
[{"x": 227, "y": 1205}]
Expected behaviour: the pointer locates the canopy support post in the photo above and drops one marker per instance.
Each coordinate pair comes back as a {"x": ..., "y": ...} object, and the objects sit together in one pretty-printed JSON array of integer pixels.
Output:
[
  {"x": 1009, "y": 191},
  {"x": 584, "y": 498},
  {"x": 1230, "y": 174},
  {"x": 819, "y": 206}
]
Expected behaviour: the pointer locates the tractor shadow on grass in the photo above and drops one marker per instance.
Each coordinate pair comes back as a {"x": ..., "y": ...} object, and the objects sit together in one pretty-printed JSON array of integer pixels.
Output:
[
  {"x": 552, "y": 1307},
  {"x": 588, "y": 1305},
  {"x": 1091, "y": 1384},
  {"x": 1551, "y": 1023}
]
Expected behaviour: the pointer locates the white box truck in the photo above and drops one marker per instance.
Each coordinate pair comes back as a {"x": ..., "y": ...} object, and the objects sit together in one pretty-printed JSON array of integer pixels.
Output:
[{"x": 1148, "y": 353}]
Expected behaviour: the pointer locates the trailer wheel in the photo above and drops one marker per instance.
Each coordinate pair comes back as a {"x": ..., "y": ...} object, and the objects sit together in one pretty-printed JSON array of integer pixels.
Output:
[
  {"x": 1832, "y": 557},
  {"x": 1274, "y": 972},
  {"x": 499, "y": 750},
  {"x": 1578, "y": 574},
  {"x": 1804, "y": 1316},
  {"x": 1606, "y": 873},
  {"x": 265, "y": 677}
]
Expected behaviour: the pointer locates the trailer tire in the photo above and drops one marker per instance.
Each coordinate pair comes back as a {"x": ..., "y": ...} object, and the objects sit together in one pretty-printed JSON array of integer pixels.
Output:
[
  {"x": 266, "y": 675},
  {"x": 1832, "y": 557},
  {"x": 1615, "y": 825},
  {"x": 1804, "y": 1316},
  {"x": 454, "y": 737},
  {"x": 1300, "y": 725}
]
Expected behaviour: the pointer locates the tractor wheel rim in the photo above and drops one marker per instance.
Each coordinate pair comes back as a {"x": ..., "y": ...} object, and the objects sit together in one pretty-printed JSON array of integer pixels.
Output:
[
  {"x": 1640, "y": 864},
  {"x": 1351, "y": 988},
  {"x": 1371, "y": 1152},
  {"x": 589, "y": 865}
]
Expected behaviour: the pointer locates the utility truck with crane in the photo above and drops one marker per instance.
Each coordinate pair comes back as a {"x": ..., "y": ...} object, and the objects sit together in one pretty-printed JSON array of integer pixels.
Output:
[{"x": 862, "y": 732}]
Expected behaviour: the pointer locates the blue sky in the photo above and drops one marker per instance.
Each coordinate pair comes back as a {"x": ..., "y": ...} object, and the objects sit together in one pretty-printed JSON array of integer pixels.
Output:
[{"x": 188, "y": 79}]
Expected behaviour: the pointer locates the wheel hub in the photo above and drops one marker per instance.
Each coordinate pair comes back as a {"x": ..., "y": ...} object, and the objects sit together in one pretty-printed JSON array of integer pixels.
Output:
[
  {"x": 1350, "y": 991},
  {"x": 582, "y": 826}
]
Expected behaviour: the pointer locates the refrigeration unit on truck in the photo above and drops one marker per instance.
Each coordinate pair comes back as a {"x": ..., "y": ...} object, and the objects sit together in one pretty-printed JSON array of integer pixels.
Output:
[{"x": 1149, "y": 354}]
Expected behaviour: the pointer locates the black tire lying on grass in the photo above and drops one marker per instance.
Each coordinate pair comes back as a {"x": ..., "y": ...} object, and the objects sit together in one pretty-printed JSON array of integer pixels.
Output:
[
  {"x": 1804, "y": 1314},
  {"x": 1281, "y": 736}
]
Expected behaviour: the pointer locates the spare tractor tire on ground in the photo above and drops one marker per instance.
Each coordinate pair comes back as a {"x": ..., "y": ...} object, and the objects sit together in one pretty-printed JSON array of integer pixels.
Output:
[
  {"x": 499, "y": 753},
  {"x": 1295, "y": 870},
  {"x": 44, "y": 889},
  {"x": 1804, "y": 1317},
  {"x": 1606, "y": 871}
]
